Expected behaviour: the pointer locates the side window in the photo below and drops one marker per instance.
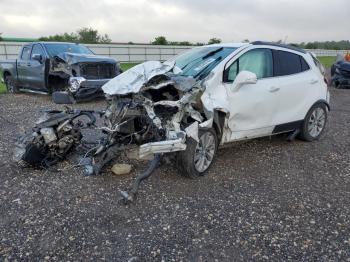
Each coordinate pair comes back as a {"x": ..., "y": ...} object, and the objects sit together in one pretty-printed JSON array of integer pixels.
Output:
[
  {"x": 287, "y": 63},
  {"x": 304, "y": 64},
  {"x": 37, "y": 50},
  {"x": 319, "y": 65},
  {"x": 258, "y": 61},
  {"x": 232, "y": 71},
  {"x": 25, "y": 53}
]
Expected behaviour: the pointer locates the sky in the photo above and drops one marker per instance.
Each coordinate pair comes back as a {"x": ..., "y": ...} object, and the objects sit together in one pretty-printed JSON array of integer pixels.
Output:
[{"x": 140, "y": 21}]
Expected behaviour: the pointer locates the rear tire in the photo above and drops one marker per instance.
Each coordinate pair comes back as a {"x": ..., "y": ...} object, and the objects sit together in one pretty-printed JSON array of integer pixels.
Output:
[
  {"x": 10, "y": 84},
  {"x": 314, "y": 123},
  {"x": 198, "y": 156}
]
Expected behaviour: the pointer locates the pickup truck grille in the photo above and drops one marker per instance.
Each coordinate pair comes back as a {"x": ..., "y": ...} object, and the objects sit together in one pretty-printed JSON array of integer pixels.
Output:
[{"x": 97, "y": 70}]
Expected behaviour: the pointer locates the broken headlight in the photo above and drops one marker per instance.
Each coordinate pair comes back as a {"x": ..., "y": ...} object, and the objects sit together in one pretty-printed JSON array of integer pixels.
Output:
[{"x": 75, "y": 82}]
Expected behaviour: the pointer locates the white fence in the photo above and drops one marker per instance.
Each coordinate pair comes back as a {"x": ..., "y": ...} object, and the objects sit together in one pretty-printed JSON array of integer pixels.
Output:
[{"x": 134, "y": 53}]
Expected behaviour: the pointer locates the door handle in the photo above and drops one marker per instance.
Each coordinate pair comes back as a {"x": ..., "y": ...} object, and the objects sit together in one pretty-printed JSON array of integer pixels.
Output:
[
  {"x": 313, "y": 81},
  {"x": 274, "y": 89}
]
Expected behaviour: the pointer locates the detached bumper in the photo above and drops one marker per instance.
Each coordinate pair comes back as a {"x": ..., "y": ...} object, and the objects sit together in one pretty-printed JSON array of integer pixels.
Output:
[
  {"x": 80, "y": 90},
  {"x": 89, "y": 90}
]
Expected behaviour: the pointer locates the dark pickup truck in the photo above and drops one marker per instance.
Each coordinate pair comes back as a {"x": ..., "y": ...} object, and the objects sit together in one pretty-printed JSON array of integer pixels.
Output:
[{"x": 59, "y": 69}]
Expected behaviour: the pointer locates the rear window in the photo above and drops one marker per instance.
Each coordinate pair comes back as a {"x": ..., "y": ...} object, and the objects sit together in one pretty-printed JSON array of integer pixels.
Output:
[{"x": 287, "y": 63}]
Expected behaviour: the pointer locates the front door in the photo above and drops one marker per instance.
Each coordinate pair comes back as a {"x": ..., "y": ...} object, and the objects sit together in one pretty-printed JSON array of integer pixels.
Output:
[
  {"x": 252, "y": 108},
  {"x": 36, "y": 70},
  {"x": 23, "y": 63}
]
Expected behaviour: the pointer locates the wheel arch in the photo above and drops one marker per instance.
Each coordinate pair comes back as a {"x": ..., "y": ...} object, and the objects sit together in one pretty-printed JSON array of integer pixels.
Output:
[
  {"x": 322, "y": 101},
  {"x": 6, "y": 73}
]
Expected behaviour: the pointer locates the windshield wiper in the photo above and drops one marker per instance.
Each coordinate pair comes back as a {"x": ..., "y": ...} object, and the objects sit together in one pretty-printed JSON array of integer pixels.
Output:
[
  {"x": 211, "y": 53},
  {"x": 202, "y": 73},
  {"x": 191, "y": 62}
]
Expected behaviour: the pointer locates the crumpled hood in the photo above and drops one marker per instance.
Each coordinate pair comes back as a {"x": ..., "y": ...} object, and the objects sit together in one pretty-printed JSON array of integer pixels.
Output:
[
  {"x": 132, "y": 80},
  {"x": 73, "y": 58}
]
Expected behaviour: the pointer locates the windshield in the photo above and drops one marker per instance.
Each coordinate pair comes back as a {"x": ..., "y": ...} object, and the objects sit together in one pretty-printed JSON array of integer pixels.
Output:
[
  {"x": 201, "y": 60},
  {"x": 55, "y": 49}
]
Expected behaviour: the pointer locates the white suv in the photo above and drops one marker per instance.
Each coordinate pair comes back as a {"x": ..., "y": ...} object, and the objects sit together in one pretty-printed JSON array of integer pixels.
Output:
[
  {"x": 190, "y": 104},
  {"x": 216, "y": 94}
]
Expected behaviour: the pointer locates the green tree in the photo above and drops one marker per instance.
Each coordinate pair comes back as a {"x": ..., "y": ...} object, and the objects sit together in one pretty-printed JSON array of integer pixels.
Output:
[
  {"x": 214, "y": 41},
  {"x": 0, "y": 37},
  {"x": 83, "y": 35},
  {"x": 61, "y": 38},
  {"x": 160, "y": 40},
  {"x": 91, "y": 36},
  {"x": 310, "y": 46}
]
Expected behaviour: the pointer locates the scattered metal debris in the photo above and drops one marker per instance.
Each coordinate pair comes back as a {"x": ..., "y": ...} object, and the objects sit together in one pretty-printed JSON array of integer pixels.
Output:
[{"x": 150, "y": 106}]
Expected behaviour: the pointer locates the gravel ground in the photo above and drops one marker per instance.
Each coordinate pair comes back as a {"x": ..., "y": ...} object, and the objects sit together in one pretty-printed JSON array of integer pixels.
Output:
[{"x": 262, "y": 199}]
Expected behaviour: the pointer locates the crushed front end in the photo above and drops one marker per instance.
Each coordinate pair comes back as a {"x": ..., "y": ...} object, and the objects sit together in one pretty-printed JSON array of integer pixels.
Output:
[
  {"x": 74, "y": 77},
  {"x": 341, "y": 74},
  {"x": 150, "y": 107}
]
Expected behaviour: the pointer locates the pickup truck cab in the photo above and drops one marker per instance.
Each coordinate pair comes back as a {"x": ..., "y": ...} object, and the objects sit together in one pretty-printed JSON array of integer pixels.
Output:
[{"x": 51, "y": 67}]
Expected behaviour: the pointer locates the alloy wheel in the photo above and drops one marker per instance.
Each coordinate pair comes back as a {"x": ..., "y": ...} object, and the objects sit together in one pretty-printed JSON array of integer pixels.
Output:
[
  {"x": 204, "y": 152},
  {"x": 316, "y": 122}
]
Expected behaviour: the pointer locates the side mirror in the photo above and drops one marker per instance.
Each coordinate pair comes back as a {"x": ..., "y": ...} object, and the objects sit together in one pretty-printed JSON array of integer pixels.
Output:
[
  {"x": 243, "y": 78},
  {"x": 38, "y": 58}
]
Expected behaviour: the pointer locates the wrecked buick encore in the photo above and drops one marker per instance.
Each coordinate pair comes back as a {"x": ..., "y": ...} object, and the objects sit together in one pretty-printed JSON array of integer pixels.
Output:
[
  {"x": 59, "y": 69},
  {"x": 208, "y": 96}
]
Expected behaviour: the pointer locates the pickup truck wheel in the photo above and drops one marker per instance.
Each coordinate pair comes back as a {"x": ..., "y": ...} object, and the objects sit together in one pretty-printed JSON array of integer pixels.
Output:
[
  {"x": 10, "y": 84},
  {"x": 198, "y": 156}
]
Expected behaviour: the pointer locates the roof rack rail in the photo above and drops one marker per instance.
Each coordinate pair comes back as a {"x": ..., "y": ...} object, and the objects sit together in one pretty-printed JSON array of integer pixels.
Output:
[{"x": 279, "y": 45}]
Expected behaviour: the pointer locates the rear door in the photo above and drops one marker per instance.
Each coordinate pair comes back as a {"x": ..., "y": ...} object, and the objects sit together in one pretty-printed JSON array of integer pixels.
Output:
[
  {"x": 23, "y": 63},
  {"x": 36, "y": 69},
  {"x": 298, "y": 87}
]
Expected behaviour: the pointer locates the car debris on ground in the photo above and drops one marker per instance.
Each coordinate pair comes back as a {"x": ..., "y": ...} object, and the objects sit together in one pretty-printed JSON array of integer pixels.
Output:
[{"x": 149, "y": 105}]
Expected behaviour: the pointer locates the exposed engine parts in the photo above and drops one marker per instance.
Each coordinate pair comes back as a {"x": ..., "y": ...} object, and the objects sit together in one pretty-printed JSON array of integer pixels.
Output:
[
  {"x": 51, "y": 139},
  {"x": 149, "y": 106}
]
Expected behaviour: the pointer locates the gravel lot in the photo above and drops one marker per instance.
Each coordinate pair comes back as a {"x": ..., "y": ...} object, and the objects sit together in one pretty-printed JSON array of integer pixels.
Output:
[{"x": 262, "y": 199}]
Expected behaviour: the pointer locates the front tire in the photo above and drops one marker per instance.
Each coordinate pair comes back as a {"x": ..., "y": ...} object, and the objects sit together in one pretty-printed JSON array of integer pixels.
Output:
[
  {"x": 10, "y": 84},
  {"x": 314, "y": 123},
  {"x": 198, "y": 156}
]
